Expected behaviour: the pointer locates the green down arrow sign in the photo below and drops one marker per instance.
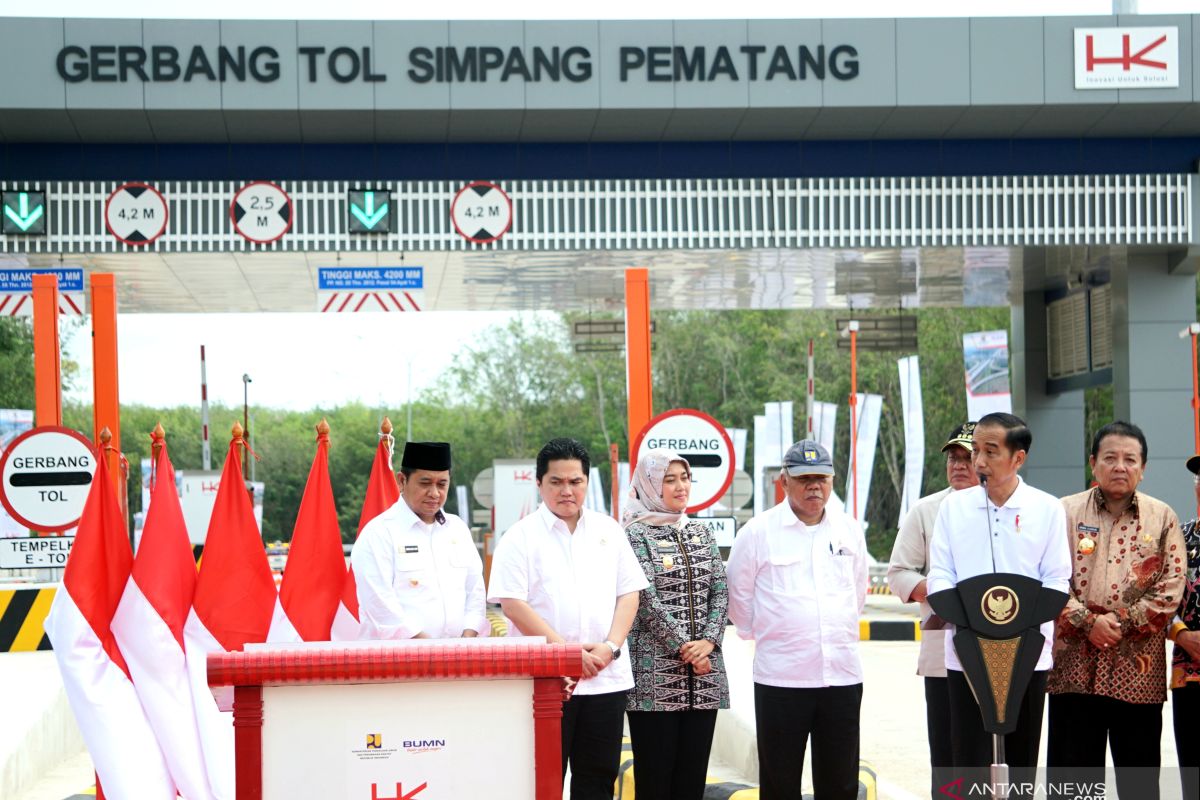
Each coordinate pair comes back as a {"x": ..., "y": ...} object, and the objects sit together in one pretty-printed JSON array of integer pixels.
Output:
[
  {"x": 369, "y": 214},
  {"x": 24, "y": 213}
]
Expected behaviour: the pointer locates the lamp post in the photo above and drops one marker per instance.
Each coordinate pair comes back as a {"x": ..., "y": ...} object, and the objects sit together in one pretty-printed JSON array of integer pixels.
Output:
[{"x": 246, "y": 420}]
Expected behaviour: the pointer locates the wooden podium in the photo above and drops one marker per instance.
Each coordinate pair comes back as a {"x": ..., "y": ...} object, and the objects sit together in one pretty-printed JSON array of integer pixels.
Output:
[{"x": 403, "y": 721}]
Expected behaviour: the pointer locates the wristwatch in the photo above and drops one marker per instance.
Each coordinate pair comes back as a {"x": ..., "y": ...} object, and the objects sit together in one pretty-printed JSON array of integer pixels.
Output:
[{"x": 615, "y": 648}]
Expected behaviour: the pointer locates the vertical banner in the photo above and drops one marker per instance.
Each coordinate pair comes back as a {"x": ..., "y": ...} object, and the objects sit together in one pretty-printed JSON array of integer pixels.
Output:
[
  {"x": 464, "y": 507},
  {"x": 870, "y": 408},
  {"x": 514, "y": 492},
  {"x": 595, "y": 499},
  {"x": 772, "y": 438},
  {"x": 825, "y": 424},
  {"x": 13, "y": 422},
  {"x": 985, "y": 357},
  {"x": 914, "y": 432}
]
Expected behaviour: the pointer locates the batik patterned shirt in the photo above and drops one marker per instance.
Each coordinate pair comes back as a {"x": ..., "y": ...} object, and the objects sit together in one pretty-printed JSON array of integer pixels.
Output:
[
  {"x": 1132, "y": 565},
  {"x": 1184, "y": 668},
  {"x": 687, "y": 600}
]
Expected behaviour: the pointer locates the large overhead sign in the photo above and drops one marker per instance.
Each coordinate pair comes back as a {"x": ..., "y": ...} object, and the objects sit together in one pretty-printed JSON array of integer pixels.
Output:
[
  {"x": 701, "y": 440},
  {"x": 45, "y": 476},
  {"x": 1127, "y": 58},
  {"x": 24, "y": 213}
]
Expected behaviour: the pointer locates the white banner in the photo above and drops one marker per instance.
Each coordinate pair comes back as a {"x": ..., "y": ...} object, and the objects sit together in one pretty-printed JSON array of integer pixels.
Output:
[
  {"x": 515, "y": 493},
  {"x": 772, "y": 438},
  {"x": 870, "y": 407},
  {"x": 825, "y": 424},
  {"x": 594, "y": 499},
  {"x": 914, "y": 432},
  {"x": 13, "y": 422},
  {"x": 985, "y": 356}
]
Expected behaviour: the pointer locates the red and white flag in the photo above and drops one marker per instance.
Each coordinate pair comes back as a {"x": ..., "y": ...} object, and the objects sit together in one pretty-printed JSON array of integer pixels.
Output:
[
  {"x": 382, "y": 494},
  {"x": 149, "y": 629},
  {"x": 316, "y": 567},
  {"x": 235, "y": 604},
  {"x": 127, "y": 757}
]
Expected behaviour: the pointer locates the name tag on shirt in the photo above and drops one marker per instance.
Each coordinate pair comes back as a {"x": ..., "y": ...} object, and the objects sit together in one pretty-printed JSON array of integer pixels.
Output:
[
  {"x": 1087, "y": 528},
  {"x": 412, "y": 548}
]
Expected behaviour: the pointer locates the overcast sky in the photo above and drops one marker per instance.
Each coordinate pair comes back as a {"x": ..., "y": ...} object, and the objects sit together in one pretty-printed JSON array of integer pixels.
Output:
[{"x": 293, "y": 361}]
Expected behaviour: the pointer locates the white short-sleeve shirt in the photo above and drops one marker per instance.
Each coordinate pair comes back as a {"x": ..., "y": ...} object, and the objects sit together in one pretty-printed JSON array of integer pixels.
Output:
[
  {"x": 572, "y": 580},
  {"x": 1026, "y": 536}
]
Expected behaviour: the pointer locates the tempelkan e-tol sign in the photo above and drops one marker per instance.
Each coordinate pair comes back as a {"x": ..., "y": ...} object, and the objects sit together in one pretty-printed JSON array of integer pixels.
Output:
[{"x": 120, "y": 63}]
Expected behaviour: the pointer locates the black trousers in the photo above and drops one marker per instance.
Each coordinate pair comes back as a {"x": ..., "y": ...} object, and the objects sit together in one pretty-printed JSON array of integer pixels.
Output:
[
  {"x": 937, "y": 723},
  {"x": 785, "y": 718},
  {"x": 591, "y": 743},
  {"x": 972, "y": 745},
  {"x": 1082, "y": 724},
  {"x": 1185, "y": 711},
  {"x": 670, "y": 753}
]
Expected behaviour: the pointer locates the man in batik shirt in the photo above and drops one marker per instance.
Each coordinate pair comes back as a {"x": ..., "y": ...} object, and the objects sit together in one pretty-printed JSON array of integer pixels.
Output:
[{"x": 1108, "y": 684}]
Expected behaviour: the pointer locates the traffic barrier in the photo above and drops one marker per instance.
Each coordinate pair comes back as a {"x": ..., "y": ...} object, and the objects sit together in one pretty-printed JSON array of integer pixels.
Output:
[
  {"x": 498, "y": 622},
  {"x": 889, "y": 630},
  {"x": 879, "y": 588},
  {"x": 729, "y": 790},
  {"x": 22, "y": 619}
]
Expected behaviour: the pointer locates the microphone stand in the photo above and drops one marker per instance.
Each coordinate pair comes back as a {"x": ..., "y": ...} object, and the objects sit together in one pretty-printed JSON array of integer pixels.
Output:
[{"x": 998, "y": 774}]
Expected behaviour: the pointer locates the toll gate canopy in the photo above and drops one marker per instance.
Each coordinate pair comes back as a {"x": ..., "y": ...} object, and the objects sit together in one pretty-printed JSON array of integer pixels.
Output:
[{"x": 1047, "y": 164}]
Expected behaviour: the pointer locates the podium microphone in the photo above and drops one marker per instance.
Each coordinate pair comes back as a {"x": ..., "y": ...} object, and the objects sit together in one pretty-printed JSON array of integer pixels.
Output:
[{"x": 988, "y": 513}]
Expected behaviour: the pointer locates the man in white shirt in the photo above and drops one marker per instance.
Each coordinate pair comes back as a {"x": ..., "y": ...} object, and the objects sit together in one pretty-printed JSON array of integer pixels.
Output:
[
  {"x": 906, "y": 577},
  {"x": 569, "y": 574},
  {"x": 418, "y": 573},
  {"x": 797, "y": 579},
  {"x": 1002, "y": 525}
]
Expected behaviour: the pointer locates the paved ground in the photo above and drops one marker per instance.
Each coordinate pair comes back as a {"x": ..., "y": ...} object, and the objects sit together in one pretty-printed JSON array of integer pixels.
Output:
[{"x": 893, "y": 723}]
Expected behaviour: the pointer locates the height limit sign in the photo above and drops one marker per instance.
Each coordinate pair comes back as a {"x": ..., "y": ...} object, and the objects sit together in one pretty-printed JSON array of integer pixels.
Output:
[
  {"x": 261, "y": 212},
  {"x": 136, "y": 213},
  {"x": 481, "y": 212}
]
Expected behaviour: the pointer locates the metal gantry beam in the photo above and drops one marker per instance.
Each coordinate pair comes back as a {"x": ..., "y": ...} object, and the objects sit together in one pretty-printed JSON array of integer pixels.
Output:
[{"x": 702, "y": 213}]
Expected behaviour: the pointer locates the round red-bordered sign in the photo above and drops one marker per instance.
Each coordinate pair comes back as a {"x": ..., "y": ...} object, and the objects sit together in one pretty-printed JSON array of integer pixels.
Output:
[
  {"x": 483, "y": 207},
  {"x": 270, "y": 210},
  {"x": 128, "y": 207},
  {"x": 16, "y": 506},
  {"x": 720, "y": 475}
]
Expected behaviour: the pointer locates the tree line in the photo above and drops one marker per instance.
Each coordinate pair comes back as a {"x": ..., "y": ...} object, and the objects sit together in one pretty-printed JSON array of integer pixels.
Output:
[{"x": 519, "y": 384}]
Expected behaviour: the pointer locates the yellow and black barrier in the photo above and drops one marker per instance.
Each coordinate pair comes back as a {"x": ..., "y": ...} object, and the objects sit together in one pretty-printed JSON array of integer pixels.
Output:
[
  {"x": 23, "y": 619},
  {"x": 889, "y": 630},
  {"x": 728, "y": 790}
]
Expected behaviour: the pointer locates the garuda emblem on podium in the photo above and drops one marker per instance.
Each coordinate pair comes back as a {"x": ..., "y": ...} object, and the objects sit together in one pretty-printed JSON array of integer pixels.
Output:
[{"x": 1000, "y": 605}]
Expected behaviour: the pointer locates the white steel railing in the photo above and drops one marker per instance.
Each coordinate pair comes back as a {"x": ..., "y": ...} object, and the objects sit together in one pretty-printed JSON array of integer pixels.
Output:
[{"x": 704, "y": 213}]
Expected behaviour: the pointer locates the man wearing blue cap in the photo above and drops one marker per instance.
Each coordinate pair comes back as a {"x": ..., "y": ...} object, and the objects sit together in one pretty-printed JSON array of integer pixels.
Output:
[
  {"x": 797, "y": 580},
  {"x": 418, "y": 573}
]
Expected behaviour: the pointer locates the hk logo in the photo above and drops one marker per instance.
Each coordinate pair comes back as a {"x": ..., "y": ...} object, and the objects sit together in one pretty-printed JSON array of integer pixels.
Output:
[
  {"x": 1127, "y": 60},
  {"x": 374, "y": 741},
  {"x": 523, "y": 477},
  {"x": 400, "y": 795}
]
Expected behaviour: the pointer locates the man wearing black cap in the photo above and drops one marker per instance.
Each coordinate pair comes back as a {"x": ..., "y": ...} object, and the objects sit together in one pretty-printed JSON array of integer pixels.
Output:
[
  {"x": 907, "y": 578},
  {"x": 418, "y": 573},
  {"x": 797, "y": 583}
]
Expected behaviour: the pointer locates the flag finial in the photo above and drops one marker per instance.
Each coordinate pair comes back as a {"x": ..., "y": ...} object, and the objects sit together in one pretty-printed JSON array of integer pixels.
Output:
[
  {"x": 105, "y": 436},
  {"x": 386, "y": 427},
  {"x": 322, "y": 428},
  {"x": 237, "y": 431},
  {"x": 157, "y": 438}
]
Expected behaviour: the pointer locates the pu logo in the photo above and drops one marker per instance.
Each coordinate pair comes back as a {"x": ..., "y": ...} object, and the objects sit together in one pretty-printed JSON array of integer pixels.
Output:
[
  {"x": 374, "y": 741},
  {"x": 400, "y": 795}
]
